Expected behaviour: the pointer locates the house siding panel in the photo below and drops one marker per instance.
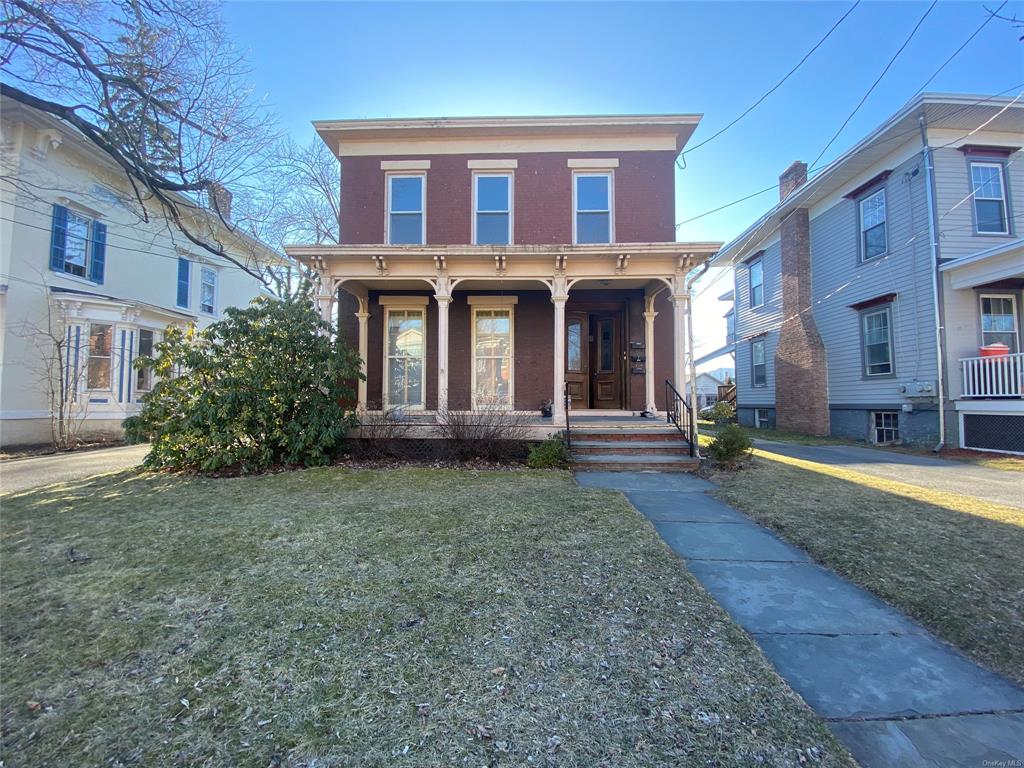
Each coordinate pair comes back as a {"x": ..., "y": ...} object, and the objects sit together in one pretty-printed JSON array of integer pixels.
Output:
[{"x": 754, "y": 321}]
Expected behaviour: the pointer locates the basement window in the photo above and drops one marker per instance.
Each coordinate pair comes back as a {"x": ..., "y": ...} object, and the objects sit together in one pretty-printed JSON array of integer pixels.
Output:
[{"x": 885, "y": 427}]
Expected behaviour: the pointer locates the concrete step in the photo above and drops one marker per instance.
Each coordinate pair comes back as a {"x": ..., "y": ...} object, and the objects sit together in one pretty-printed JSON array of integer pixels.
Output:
[
  {"x": 630, "y": 435},
  {"x": 631, "y": 447},
  {"x": 620, "y": 462}
]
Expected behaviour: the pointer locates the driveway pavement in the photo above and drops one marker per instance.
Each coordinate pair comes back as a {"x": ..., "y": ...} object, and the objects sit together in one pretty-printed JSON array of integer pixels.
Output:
[
  {"x": 893, "y": 693},
  {"x": 22, "y": 474},
  {"x": 996, "y": 485}
]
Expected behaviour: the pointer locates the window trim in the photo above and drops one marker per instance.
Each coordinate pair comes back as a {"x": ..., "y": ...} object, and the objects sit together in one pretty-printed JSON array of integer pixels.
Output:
[
  {"x": 388, "y": 177},
  {"x": 403, "y": 304},
  {"x": 109, "y": 357},
  {"x": 876, "y": 309},
  {"x": 763, "y": 340},
  {"x": 494, "y": 304},
  {"x": 510, "y": 205},
  {"x": 610, "y": 175},
  {"x": 203, "y": 271},
  {"x": 973, "y": 160},
  {"x": 758, "y": 262},
  {"x": 981, "y": 315},
  {"x": 862, "y": 257},
  {"x": 873, "y": 428}
]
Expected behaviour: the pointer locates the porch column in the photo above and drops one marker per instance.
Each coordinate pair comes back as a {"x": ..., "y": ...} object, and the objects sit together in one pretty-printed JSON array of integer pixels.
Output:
[
  {"x": 363, "y": 316},
  {"x": 649, "y": 383},
  {"x": 559, "y": 295},
  {"x": 442, "y": 296},
  {"x": 679, "y": 335},
  {"x": 326, "y": 303}
]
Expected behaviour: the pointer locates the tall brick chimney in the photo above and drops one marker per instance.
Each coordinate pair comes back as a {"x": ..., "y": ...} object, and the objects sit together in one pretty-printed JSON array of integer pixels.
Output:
[{"x": 801, "y": 374}]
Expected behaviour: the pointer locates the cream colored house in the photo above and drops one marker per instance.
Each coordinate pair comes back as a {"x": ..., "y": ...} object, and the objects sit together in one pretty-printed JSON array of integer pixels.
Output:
[{"x": 79, "y": 265}]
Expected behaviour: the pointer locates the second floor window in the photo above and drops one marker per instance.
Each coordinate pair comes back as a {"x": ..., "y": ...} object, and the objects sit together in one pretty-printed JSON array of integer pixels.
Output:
[
  {"x": 758, "y": 364},
  {"x": 184, "y": 281},
  {"x": 208, "y": 292},
  {"x": 876, "y": 338},
  {"x": 592, "y": 196},
  {"x": 989, "y": 199},
  {"x": 756, "y": 272},
  {"x": 873, "y": 239},
  {"x": 492, "y": 217},
  {"x": 406, "y": 219},
  {"x": 77, "y": 244}
]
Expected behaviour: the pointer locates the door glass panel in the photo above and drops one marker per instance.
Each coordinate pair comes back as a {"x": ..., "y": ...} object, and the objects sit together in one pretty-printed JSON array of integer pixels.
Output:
[
  {"x": 606, "y": 352},
  {"x": 573, "y": 348}
]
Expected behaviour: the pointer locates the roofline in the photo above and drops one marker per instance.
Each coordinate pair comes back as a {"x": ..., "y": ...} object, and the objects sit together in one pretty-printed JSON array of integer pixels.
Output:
[
  {"x": 369, "y": 249},
  {"x": 482, "y": 122}
]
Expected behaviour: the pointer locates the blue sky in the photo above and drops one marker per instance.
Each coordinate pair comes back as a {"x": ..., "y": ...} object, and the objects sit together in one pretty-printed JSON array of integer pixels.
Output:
[{"x": 330, "y": 60}]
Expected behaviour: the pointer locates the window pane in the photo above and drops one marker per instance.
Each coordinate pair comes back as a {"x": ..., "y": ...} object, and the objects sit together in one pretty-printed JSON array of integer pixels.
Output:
[
  {"x": 607, "y": 348},
  {"x": 405, "y": 334},
  {"x": 574, "y": 336},
  {"x": 872, "y": 210},
  {"x": 405, "y": 381},
  {"x": 99, "y": 339},
  {"x": 989, "y": 214},
  {"x": 407, "y": 194},
  {"x": 492, "y": 193},
  {"x": 592, "y": 193},
  {"x": 988, "y": 180},
  {"x": 592, "y": 228},
  {"x": 76, "y": 244},
  {"x": 997, "y": 314},
  {"x": 208, "y": 290},
  {"x": 874, "y": 242},
  {"x": 406, "y": 229},
  {"x": 98, "y": 368},
  {"x": 98, "y": 373},
  {"x": 758, "y": 352},
  {"x": 492, "y": 229},
  {"x": 493, "y": 376}
]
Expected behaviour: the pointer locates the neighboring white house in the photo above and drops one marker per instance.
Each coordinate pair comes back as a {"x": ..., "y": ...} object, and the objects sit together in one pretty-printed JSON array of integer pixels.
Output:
[
  {"x": 707, "y": 389},
  {"x": 77, "y": 263}
]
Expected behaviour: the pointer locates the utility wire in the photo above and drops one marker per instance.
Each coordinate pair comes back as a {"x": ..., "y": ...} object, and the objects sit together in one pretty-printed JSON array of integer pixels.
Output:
[{"x": 991, "y": 15}]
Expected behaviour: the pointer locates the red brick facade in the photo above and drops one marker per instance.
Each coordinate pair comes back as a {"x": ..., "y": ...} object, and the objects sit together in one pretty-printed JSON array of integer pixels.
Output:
[{"x": 644, "y": 187}]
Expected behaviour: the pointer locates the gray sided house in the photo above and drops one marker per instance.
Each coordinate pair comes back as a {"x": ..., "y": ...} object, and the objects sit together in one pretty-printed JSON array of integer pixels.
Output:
[{"x": 864, "y": 297}]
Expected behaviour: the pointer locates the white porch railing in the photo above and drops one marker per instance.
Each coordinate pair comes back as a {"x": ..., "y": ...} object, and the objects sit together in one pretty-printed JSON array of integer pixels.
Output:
[{"x": 993, "y": 376}]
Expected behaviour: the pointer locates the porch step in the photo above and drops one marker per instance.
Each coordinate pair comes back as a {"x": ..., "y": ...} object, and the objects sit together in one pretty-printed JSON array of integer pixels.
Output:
[
  {"x": 639, "y": 447},
  {"x": 631, "y": 462},
  {"x": 630, "y": 434}
]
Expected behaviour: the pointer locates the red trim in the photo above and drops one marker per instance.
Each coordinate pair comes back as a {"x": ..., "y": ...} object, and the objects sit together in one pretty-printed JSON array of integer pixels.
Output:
[
  {"x": 873, "y": 181},
  {"x": 885, "y": 299},
  {"x": 980, "y": 150}
]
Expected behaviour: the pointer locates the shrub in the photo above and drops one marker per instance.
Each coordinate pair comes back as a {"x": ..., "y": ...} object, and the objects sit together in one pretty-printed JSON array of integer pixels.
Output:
[
  {"x": 723, "y": 412},
  {"x": 265, "y": 386},
  {"x": 134, "y": 431},
  {"x": 490, "y": 432},
  {"x": 730, "y": 445},
  {"x": 548, "y": 454}
]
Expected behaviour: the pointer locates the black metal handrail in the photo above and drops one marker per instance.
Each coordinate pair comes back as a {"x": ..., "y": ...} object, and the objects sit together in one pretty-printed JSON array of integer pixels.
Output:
[
  {"x": 566, "y": 403},
  {"x": 677, "y": 412}
]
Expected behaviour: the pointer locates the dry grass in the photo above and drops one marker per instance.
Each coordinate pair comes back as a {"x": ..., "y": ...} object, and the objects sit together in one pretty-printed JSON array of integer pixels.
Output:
[
  {"x": 334, "y": 617},
  {"x": 952, "y": 562}
]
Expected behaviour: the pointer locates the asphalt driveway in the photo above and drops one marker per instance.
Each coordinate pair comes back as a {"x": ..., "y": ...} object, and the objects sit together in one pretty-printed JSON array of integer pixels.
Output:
[
  {"x": 1000, "y": 486},
  {"x": 22, "y": 474}
]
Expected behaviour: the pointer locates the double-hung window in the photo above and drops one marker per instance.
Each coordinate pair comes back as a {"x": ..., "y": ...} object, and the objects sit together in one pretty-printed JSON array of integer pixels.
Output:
[
  {"x": 144, "y": 376},
  {"x": 876, "y": 341},
  {"x": 999, "y": 321},
  {"x": 208, "y": 291},
  {"x": 756, "y": 276},
  {"x": 492, "y": 209},
  {"x": 98, "y": 366},
  {"x": 593, "y": 220},
  {"x": 989, "y": 198},
  {"x": 758, "y": 363},
  {"x": 405, "y": 321},
  {"x": 493, "y": 321},
  {"x": 406, "y": 209},
  {"x": 77, "y": 244},
  {"x": 873, "y": 236}
]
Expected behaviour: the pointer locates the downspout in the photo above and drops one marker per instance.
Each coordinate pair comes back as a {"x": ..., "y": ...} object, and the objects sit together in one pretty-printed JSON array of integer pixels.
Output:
[
  {"x": 693, "y": 357},
  {"x": 929, "y": 174}
]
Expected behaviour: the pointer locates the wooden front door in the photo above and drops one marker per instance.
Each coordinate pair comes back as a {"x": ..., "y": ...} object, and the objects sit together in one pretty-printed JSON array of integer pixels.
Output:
[
  {"x": 577, "y": 355},
  {"x": 606, "y": 359}
]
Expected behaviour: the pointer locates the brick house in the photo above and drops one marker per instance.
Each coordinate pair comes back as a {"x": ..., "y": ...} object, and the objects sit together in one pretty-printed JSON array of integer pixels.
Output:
[
  {"x": 499, "y": 262},
  {"x": 862, "y": 299}
]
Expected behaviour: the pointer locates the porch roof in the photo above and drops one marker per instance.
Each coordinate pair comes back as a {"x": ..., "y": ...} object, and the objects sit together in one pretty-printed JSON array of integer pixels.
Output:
[{"x": 1000, "y": 262}]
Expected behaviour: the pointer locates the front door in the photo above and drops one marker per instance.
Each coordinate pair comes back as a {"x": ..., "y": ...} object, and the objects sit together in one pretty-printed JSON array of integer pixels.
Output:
[
  {"x": 606, "y": 359},
  {"x": 577, "y": 353}
]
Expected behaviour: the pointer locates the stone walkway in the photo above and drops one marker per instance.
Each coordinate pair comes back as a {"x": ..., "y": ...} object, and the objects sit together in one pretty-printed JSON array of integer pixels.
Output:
[{"x": 896, "y": 696}]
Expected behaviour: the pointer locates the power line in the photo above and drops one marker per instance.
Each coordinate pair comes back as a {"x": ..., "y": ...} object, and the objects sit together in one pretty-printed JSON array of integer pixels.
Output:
[
  {"x": 778, "y": 85},
  {"x": 991, "y": 15},
  {"x": 877, "y": 80}
]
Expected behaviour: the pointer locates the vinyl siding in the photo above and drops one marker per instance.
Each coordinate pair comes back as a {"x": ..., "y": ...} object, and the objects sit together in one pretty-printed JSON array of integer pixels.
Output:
[
  {"x": 955, "y": 211},
  {"x": 839, "y": 280},
  {"x": 748, "y": 396},
  {"x": 753, "y": 321}
]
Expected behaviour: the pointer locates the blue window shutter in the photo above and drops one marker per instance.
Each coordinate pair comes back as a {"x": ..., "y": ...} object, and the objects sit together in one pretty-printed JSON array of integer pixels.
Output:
[
  {"x": 183, "y": 276},
  {"x": 58, "y": 235},
  {"x": 99, "y": 252}
]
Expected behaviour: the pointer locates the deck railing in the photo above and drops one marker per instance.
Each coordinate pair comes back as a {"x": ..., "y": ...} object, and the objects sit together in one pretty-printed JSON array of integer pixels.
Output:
[{"x": 993, "y": 376}]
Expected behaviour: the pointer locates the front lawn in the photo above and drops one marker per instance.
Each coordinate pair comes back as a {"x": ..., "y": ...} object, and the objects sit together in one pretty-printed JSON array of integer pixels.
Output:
[
  {"x": 335, "y": 617},
  {"x": 952, "y": 562}
]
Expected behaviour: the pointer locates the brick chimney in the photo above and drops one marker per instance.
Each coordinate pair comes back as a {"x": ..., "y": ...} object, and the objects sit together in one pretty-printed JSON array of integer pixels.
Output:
[
  {"x": 793, "y": 177},
  {"x": 220, "y": 200},
  {"x": 801, "y": 372}
]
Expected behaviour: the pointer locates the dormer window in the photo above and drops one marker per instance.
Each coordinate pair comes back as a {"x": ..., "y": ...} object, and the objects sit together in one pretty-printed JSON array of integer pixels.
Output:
[
  {"x": 406, "y": 209},
  {"x": 592, "y": 202}
]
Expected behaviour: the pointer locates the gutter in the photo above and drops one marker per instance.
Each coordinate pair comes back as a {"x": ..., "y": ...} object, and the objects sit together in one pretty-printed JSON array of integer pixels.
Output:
[
  {"x": 693, "y": 363},
  {"x": 929, "y": 177}
]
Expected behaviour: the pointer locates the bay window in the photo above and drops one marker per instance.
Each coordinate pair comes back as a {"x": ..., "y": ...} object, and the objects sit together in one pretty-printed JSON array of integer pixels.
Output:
[
  {"x": 144, "y": 376},
  {"x": 98, "y": 365}
]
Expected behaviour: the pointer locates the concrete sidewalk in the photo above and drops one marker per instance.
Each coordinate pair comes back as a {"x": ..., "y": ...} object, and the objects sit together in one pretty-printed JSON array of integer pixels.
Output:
[
  {"x": 33, "y": 471},
  {"x": 890, "y": 691},
  {"x": 1000, "y": 486}
]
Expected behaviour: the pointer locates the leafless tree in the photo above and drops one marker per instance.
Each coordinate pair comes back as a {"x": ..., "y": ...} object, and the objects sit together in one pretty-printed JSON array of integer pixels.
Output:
[{"x": 156, "y": 86}]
